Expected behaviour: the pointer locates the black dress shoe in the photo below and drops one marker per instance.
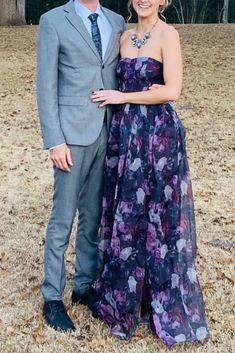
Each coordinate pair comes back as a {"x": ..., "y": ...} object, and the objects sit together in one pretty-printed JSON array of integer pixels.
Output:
[
  {"x": 56, "y": 316},
  {"x": 88, "y": 298}
]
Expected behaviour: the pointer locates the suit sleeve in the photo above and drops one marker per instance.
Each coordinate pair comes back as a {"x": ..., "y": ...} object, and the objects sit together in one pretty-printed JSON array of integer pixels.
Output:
[
  {"x": 124, "y": 25},
  {"x": 47, "y": 84}
]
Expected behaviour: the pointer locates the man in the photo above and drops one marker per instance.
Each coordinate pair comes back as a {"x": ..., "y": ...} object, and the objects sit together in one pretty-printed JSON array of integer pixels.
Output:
[{"x": 78, "y": 49}]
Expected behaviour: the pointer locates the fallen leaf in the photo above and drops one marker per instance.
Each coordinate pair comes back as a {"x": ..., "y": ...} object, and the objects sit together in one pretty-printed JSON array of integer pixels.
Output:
[
  {"x": 223, "y": 244},
  {"x": 10, "y": 330},
  {"x": 2, "y": 255}
]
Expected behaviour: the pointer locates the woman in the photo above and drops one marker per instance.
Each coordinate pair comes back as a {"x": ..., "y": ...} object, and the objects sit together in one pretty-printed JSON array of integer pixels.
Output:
[{"x": 148, "y": 239}]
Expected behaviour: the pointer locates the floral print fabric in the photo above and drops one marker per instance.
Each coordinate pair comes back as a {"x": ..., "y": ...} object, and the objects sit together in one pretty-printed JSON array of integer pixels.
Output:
[{"x": 148, "y": 237}]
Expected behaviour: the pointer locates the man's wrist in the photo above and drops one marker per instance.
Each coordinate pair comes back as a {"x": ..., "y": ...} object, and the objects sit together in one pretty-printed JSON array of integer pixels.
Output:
[{"x": 52, "y": 148}]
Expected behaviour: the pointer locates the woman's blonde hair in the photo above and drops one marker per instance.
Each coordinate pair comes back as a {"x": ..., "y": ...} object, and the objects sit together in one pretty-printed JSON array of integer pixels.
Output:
[{"x": 162, "y": 8}]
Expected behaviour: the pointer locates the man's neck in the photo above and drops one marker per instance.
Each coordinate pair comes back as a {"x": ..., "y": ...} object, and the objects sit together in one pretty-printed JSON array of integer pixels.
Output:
[{"x": 90, "y": 4}]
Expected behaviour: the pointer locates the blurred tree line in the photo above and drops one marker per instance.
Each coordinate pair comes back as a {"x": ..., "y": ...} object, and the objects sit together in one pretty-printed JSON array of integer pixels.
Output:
[
  {"x": 181, "y": 11},
  {"x": 14, "y": 12}
]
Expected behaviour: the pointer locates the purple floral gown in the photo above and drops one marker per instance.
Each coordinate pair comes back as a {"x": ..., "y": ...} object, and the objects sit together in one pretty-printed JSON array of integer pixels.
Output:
[{"x": 148, "y": 238}]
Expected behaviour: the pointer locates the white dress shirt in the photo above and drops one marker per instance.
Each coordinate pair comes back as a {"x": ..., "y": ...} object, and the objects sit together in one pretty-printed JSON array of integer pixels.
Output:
[{"x": 103, "y": 24}]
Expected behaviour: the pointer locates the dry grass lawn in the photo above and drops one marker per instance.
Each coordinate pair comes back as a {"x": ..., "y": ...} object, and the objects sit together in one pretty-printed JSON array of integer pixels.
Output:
[{"x": 207, "y": 108}]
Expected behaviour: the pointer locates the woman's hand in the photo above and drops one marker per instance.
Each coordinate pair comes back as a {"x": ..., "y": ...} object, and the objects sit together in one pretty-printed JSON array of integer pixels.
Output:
[
  {"x": 108, "y": 97},
  {"x": 155, "y": 86},
  {"x": 113, "y": 97}
]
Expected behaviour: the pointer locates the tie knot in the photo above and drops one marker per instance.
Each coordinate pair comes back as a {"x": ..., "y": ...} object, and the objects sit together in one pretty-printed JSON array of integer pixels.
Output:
[{"x": 93, "y": 17}]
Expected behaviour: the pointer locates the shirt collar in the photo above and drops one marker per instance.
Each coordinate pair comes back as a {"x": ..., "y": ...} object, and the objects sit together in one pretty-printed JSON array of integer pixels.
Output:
[{"x": 84, "y": 12}]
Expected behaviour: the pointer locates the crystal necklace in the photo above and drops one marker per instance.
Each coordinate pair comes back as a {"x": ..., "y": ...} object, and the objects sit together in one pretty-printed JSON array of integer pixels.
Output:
[{"x": 139, "y": 42}]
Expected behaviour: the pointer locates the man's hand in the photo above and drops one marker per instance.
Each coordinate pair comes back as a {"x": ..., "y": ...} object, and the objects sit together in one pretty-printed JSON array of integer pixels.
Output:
[{"x": 61, "y": 157}]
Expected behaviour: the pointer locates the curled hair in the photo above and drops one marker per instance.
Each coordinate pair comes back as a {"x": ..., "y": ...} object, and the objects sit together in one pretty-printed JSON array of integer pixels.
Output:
[
  {"x": 162, "y": 8},
  {"x": 129, "y": 10}
]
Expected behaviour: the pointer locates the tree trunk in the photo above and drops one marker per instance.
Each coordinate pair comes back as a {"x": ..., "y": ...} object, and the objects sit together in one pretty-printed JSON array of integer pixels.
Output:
[
  {"x": 225, "y": 11},
  {"x": 12, "y": 12}
]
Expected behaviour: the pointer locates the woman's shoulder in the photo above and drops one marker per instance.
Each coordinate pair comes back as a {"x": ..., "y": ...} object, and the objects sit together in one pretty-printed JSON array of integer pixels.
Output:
[{"x": 168, "y": 31}]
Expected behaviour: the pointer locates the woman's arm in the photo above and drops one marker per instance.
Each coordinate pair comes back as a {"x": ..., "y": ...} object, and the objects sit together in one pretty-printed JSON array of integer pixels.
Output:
[
  {"x": 173, "y": 76},
  {"x": 172, "y": 73}
]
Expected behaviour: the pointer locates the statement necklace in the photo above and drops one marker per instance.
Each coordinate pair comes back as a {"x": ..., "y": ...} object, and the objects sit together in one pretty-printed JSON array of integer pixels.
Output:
[{"x": 139, "y": 42}]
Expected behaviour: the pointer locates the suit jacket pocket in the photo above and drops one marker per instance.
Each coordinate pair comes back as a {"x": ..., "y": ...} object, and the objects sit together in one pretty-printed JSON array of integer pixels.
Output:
[{"x": 69, "y": 100}]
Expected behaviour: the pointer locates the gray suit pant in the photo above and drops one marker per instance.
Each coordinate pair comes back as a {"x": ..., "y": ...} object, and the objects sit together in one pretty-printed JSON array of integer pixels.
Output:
[{"x": 80, "y": 189}]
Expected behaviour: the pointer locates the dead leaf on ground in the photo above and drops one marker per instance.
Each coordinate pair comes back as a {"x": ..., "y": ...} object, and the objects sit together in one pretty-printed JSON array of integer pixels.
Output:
[
  {"x": 10, "y": 330},
  {"x": 223, "y": 244},
  {"x": 2, "y": 255}
]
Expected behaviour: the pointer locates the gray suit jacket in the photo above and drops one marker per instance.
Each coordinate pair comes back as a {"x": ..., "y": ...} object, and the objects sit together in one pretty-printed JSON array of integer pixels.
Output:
[{"x": 69, "y": 69}]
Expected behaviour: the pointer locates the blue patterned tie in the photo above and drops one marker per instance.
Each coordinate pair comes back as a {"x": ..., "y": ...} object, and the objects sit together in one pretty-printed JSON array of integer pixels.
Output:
[{"x": 96, "y": 37}]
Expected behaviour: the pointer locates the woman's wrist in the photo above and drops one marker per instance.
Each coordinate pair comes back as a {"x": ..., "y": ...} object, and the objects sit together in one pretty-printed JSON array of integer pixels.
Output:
[{"x": 125, "y": 98}]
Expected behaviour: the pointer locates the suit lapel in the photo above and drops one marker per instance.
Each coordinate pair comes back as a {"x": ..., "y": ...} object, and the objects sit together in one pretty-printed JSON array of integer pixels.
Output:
[
  {"x": 114, "y": 37},
  {"x": 78, "y": 24}
]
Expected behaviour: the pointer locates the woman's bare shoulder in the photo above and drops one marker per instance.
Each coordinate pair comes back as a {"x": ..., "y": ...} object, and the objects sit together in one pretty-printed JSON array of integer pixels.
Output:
[{"x": 169, "y": 32}]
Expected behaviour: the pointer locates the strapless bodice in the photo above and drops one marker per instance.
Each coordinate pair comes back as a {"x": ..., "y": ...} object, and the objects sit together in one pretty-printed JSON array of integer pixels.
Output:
[{"x": 138, "y": 74}]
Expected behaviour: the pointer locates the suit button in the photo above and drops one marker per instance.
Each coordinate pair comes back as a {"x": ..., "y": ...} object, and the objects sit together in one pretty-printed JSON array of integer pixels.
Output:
[{"x": 102, "y": 66}]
